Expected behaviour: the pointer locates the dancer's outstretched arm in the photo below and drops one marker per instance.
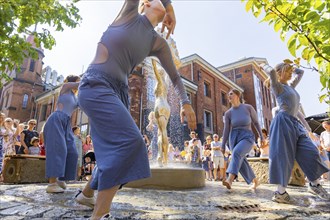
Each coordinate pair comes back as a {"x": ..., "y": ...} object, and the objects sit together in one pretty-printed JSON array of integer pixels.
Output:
[{"x": 163, "y": 52}]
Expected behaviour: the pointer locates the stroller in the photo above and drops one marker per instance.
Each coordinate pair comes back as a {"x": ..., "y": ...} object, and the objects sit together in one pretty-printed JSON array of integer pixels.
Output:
[{"x": 88, "y": 165}]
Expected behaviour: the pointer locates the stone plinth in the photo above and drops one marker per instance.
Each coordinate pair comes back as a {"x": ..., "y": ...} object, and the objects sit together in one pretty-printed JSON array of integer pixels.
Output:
[
  {"x": 260, "y": 167},
  {"x": 24, "y": 169},
  {"x": 171, "y": 178}
]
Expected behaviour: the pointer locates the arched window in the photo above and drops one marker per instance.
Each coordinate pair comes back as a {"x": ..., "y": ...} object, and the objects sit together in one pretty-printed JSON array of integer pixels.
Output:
[{"x": 25, "y": 100}]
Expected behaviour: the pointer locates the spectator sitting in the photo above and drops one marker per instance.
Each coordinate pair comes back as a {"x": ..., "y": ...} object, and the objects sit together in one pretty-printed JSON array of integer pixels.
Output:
[{"x": 34, "y": 149}]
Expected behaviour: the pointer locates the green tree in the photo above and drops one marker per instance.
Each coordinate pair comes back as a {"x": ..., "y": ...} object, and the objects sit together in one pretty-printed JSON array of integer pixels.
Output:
[
  {"x": 305, "y": 25},
  {"x": 18, "y": 17}
]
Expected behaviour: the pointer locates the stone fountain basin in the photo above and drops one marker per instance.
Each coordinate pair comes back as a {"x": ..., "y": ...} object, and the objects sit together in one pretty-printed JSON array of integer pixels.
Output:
[{"x": 171, "y": 179}]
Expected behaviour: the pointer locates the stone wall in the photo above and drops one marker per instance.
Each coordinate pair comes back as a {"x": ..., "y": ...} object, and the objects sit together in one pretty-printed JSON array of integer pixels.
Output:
[{"x": 260, "y": 167}]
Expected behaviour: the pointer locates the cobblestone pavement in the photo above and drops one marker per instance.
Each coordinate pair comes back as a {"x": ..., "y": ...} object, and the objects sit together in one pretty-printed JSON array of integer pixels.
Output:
[{"x": 30, "y": 201}]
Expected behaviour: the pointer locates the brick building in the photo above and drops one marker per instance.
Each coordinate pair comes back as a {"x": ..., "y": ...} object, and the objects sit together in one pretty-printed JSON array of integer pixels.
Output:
[
  {"x": 210, "y": 99},
  {"x": 17, "y": 96},
  {"x": 247, "y": 74}
]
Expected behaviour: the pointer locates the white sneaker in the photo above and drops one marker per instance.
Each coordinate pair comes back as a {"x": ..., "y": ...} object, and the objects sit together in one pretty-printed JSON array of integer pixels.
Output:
[
  {"x": 83, "y": 200},
  {"x": 54, "y": 188},
  {"x": 319, "y": 191},
  {"x": 281, "y": 198},
  {"x": 61, "y": 184}
]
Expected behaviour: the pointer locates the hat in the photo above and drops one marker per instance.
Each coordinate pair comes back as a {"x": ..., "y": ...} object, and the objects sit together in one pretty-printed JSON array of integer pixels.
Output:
[{"x": 33, "y": 140}]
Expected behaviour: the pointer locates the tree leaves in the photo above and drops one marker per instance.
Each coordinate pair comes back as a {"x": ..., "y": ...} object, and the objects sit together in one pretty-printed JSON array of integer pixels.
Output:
[
  {"x": 310, "y": 22},
  {"x": 18, "y": 19},
  {"x": 292, "y": 44}
]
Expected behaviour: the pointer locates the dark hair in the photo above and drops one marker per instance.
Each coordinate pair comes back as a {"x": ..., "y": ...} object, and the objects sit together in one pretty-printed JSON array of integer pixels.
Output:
[
  {"x": 71, "y": 78},
  {"x": 239, "y": 94},
  {"x": 195, "y": 139},
  {"x": 74, "y": 128}
]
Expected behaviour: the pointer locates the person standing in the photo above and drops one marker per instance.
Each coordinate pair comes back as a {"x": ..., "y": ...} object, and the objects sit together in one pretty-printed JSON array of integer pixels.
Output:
[
  {"x": 285, "y": 147},
  {"x": 103, "y": 95},
  {"x": 325, "y": 137},
  {"x": 27, "y": 135},
  {"x": 61, "y": 152},
  {"x": 325, "y": 146},
  {"x": 238, "y": 121},
  {"x": 88, "y": 144},
  {"x": 218, "y": 159},
  {"x": 193, "y": 136},
  {"x": 2, "y": 132},
  {"x": 79, "y": 146}
]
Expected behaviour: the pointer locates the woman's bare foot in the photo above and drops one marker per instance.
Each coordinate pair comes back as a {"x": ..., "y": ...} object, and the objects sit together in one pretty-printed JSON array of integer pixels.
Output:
[
  {"x": 255, "y": 184},
  {"x": 227, "y": 184}
]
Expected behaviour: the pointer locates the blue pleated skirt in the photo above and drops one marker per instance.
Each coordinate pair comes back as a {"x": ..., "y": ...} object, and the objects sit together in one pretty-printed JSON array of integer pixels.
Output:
[
  {"x": 121, "y": 154},
  {"x": 61, "y": 152},
  {"x": 289, "y": 142}
]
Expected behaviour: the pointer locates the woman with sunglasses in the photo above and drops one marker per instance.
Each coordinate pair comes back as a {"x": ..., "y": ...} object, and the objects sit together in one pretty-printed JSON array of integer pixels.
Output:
[{"x": 26, "y": 137}]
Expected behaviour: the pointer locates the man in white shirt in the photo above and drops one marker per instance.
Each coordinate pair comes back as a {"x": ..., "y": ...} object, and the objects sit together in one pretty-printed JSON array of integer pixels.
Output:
[{"x": 325, "y": 137}]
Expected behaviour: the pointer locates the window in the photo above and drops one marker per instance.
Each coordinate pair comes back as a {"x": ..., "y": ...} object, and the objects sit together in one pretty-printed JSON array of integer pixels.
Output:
[
  {"x": 208, "y": 123},
  {"x": 224, "y": 100},
  {"x": 32, "y": 64},
  {"x": 25, "y": 100},
  {"x": 84, "y": 130},
  {"x": 43, "y": 112},
  {"x": 189, "y": 97},
  {"x": 7, "y": 100},
  {"x": 207, "y": 89},
  {"x": 258, "y": 99}
]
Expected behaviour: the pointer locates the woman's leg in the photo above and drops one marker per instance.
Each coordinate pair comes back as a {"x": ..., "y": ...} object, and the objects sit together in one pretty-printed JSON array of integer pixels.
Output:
[
  {"x": 309, "y": 159},
  {"x": 239, "y": 163},
  {"x": 103, "y": 202},
  {"x": 56, "y": 151}
]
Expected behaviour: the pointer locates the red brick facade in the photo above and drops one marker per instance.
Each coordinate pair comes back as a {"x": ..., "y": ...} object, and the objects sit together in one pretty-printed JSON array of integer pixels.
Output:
[
  {"x": 17, "y": 97},
  {"x": 242, "y": 73}
]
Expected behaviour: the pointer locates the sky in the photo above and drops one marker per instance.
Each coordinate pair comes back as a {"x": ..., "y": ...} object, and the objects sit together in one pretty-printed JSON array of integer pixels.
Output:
[{"x": 220, "y": 31}]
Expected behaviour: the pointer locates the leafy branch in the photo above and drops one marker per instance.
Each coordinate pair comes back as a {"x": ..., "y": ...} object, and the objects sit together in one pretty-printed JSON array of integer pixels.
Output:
[{"x": 288, "y": 20}]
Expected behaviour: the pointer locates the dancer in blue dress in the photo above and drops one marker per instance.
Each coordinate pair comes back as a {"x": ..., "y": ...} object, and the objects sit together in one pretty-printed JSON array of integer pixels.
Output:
[
  {"x": 103, "y": 95},
  {"x": 288, "y": 137},
  {"x": 61, "y": 152},
  {"x": 238, "y": 129}
]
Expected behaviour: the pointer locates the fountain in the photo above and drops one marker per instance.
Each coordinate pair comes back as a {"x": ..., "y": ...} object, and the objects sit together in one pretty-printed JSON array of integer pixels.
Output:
[{"x": 163, "y": 112}]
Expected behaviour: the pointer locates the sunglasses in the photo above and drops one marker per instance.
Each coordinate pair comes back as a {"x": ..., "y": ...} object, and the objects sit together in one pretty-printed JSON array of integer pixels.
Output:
[{"x": 32, "y": 123}]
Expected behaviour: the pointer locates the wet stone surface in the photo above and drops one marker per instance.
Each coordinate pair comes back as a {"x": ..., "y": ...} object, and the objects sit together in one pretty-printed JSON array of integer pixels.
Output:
[{"x": 213, "y": 201}]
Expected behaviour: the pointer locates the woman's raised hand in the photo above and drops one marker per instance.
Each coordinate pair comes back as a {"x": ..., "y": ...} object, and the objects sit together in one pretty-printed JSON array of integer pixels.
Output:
[{"x": 169, "y": 20}]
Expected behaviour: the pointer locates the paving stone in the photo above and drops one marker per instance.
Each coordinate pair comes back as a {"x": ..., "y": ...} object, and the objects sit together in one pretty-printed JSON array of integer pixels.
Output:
[
  {"x": 5, "y": 204},
  {"x": 56, "y": 212},
  {"x": 36, "y": 212},
  {"x": 15, "y": 210},
  {"x": 210, "y": 202},
  {"x": 11, "y": 217}
]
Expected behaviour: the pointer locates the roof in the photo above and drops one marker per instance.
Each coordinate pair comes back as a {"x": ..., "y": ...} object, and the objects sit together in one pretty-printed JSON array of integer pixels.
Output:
[
  {"x": 319, "y": 117},
  {"x": 244, "y": 62},
  {"x": 196, "y": 58}
]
